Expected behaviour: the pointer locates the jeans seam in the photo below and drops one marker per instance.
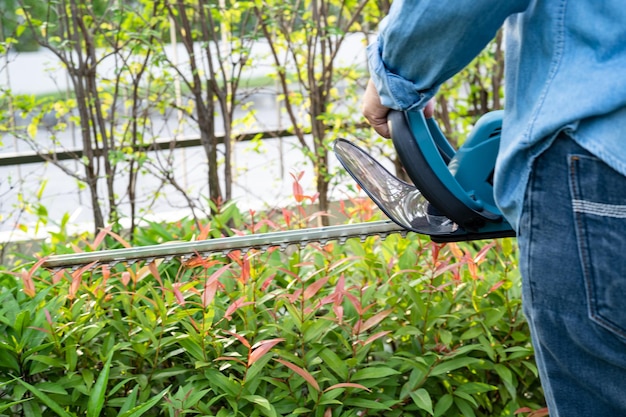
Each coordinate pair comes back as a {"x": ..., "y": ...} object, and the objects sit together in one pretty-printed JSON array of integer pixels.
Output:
[{"x": 528, "y": 232}]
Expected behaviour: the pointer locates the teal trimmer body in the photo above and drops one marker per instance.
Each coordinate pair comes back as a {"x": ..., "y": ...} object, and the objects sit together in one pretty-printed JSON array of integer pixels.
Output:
[{"x": 451, "y": 195}]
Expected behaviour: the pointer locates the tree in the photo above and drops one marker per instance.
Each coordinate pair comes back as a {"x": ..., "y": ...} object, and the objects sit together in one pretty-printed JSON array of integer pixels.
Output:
[
  {"x": 82, "y": 35},
  {"x": 217, "y": 39},
  {"x": 305, "y": 38}
]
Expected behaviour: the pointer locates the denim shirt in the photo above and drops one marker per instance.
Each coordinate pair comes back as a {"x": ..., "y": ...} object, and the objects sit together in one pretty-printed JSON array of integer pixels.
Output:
[{"x": 565, "y": 71}]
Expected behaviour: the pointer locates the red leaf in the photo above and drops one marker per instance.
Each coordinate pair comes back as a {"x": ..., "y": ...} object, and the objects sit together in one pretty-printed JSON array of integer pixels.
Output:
[
  {"x": 496, "y": 285},
  {"x": 298, "y": 176},
  {"x": 374, "y": 320},
  {"x": 355, "y": 302},
  {"x": 338, "y": 313},
  {"x": 28, "y": 284},
  {"x": 77, "y": 279},
  {"x": 180, "y": 299},
  {"x": 235, "y": 306},
  {"x": 542, "y": 412},
  {"x": 210, "y": 288},
  {"x": 261, "y": 348},
  {"x": 125, "y": 278},
  {"x": 483, "y": 252},
  {"x": 375, "y": 337},
  {"x": 267, "y": 282},
  {"x": 312, "y": 289},
  {"x": 340, "y": 290},
  {"x": 58, "y": 276},
  {"x": 117, "y": 237},
  {"x": 220, "y": 271},
  {"x": 98, "y": 240},
  {"x": 442, "y": 268},
  {"x": 298, "y": 192},
  {"x": 287, "y": 217},
  {"x": 152, "y": 266},
  {"x": 238, "y": 337},
  {"x": 230, "y": 358},
  {"x": 347, "y": 385},
  {"x": 302, "y": 372},
  {"x": 204, "y": 232}
]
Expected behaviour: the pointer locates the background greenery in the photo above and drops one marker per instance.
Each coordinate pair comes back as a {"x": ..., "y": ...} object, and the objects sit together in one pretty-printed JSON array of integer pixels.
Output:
[{"x": 393, "y": 327}]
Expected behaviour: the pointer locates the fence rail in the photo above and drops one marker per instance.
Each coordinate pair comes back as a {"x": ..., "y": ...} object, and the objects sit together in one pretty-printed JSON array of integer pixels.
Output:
[{"x": 31, "y": 157}]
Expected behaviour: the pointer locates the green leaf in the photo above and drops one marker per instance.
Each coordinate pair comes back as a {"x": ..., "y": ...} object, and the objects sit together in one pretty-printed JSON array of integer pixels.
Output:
[
  {"x": 139, "y": 410},
  {"x": 365, "y": 403},
  {"x": 472, "y": 333},
  {"x": 507, "y": 247},
  {"x": 191, "y": 347},
  {"x": 130, "y": 401},
  {"x": 32, "y": 130},
  {"x": 99, "y": 390},
  {"x": 464, "y": 407},
  {"x": 257, "y": 367},
  {"x": 475, "y": 388},
  {"x": 415, "y": 298},
  {"x": 313, "y": 329},
  {"x": 492, "y": 316},
  {"x": 32, "y": 409},
  {"x": 47, "y": 360},
  {"x": 22, "y": 321},
  {"x": 507, "y": 378},
  {"x": 45, "y": 399},
  {"x": 301, "y": 410},
  {"x": 266, "y": 407},
  {"x": 221, "y": 383},
  {"x": 334, "y": 363},
  {"x": 374, "y": 372},
  {"x": 466, "y": 397},
  {"x": 9, "y": 360},
  {"x": 11, "y": 404},
  {"x": 51, "y": 387},
  {"x": 71, "y": 358},
  {"x": 451, "y": 365},
  {"x": 443, "y": 404},
  {"x": 422, "y": 399}
]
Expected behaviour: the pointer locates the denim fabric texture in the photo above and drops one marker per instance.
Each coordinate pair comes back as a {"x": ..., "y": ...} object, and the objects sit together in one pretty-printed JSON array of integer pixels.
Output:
[{"x": 572, "y": 243}]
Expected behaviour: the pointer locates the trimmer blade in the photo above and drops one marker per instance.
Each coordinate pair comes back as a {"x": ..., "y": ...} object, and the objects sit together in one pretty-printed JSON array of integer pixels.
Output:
[{"x": 400, "y": 201}]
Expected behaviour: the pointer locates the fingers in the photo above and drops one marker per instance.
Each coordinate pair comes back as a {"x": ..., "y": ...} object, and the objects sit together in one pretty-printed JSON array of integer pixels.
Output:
[
  {"x": 429, "y": 110},
  {"x": 374, "y": 112}
]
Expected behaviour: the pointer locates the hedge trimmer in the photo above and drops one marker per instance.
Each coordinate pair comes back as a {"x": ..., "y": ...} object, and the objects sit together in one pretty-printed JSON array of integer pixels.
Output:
[{"x": 451, "y": 199}]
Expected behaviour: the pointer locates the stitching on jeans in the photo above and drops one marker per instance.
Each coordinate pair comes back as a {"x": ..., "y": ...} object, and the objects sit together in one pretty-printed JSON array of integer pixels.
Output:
[
  {"x": 584, "y": 207},
  {"x": 582, "y": 247},
  {"x": 599, "y": 209}
]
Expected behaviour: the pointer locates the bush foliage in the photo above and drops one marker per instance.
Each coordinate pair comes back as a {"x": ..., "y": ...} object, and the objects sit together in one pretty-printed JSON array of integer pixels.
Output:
[{"x": 393, "y": 327}]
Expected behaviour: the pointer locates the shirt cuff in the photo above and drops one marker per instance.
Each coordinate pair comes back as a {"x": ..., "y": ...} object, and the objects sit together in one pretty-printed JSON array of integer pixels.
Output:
[{"x": 395, "y": 91}]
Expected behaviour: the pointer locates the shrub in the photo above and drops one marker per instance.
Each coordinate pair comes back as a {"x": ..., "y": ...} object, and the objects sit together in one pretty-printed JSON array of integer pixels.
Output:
[{"x": 394, "y": 327}]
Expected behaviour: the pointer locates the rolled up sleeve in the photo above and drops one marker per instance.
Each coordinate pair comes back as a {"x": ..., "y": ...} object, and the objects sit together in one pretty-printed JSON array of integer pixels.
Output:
[{"x": 423, "y": 43}]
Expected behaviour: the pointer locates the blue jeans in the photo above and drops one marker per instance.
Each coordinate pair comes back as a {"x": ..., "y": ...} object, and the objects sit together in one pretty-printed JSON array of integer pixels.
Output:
[{"x": 572, "y": 243}]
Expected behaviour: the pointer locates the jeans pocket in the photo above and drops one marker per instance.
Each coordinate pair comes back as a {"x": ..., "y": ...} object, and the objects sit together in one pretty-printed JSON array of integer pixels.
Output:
[{"x": 599, "y": 204}]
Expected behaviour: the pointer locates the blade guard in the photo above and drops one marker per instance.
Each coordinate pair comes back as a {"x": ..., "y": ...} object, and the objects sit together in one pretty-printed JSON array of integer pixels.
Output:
[{"x": 452, "y": 199}]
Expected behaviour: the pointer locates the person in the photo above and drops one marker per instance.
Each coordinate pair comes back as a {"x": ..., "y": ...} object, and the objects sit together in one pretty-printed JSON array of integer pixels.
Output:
[{"x": 560, "y": 172}]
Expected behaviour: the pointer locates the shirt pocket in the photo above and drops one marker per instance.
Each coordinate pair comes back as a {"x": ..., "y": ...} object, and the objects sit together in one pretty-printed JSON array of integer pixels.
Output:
[{"x": 599, "y": 205}]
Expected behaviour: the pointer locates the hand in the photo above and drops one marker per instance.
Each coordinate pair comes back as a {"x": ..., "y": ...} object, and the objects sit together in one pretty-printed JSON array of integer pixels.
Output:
[{"x": 376, "y": 113}]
